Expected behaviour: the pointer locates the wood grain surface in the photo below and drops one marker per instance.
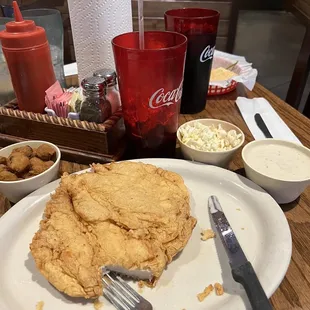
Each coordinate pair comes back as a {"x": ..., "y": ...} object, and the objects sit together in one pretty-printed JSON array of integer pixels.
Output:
[
  {"x": 153, "y": 9},
  {"x": 294, "y": 292},
  {"x": 154, "y": 16},
  {"x": 158, "y": 23}
]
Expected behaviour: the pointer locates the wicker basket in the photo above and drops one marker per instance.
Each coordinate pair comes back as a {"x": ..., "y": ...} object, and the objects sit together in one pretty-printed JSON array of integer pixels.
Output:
[{"x": 80, "y": 141}]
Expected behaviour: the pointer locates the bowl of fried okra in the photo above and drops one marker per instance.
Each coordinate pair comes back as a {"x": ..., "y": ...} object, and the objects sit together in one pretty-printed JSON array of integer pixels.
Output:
[{"x": 27, "y": 166}]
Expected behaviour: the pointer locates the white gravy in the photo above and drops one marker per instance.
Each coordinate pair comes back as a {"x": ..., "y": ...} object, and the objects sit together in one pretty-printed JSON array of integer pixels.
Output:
[{"x": 280, "y": 162}]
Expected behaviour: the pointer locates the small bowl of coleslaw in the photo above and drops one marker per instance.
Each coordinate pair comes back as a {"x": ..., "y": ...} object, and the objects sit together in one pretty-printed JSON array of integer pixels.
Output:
[{"x": 210, "y": 141}]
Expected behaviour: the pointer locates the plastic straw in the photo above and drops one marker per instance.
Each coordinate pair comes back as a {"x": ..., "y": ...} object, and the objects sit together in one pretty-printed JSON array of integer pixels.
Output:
[{"x": 141, "y": 24}]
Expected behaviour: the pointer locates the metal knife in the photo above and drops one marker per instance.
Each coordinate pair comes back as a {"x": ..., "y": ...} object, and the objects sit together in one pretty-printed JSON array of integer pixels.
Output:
[
  {"x": 242, "y": 270},
  {"x": 262, "y": 125}
]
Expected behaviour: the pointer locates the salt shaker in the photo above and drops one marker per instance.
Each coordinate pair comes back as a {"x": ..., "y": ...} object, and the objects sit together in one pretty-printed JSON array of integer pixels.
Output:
[
  {"x": 95, "y": 106},
  {"x": 112, "y": 93}
]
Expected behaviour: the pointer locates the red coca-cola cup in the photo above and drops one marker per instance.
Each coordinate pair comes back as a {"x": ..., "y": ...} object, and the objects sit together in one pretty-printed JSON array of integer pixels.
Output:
[
  {"x": 150, "y": 83},
  {"x": 200, "y": 28}
]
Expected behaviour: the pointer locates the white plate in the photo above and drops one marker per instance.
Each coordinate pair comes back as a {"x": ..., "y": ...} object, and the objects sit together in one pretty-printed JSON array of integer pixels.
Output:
[{"x": 257, "y": 220}]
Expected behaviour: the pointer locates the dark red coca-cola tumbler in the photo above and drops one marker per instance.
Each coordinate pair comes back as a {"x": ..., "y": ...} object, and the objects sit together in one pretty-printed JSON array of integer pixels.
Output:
[
  {"x": 200, "y": 28},
  {"x": 150, "y": 83}
]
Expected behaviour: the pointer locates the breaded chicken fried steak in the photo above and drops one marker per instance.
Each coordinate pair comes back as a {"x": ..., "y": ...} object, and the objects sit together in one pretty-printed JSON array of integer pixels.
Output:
[{"x": 131, "y": 216}]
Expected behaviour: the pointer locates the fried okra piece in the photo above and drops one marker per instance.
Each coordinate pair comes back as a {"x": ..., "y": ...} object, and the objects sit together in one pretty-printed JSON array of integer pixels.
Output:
[
  {"x": 18, "y": 162},
  {"x": 3, "y": 160},
  {"x": 45, "y": 152},
  {"x": 38, "y": 166},
  {"x": 3, "y": 168},
  {"x": 25, "y": 150},
  {"x": 8, "y": 176}
]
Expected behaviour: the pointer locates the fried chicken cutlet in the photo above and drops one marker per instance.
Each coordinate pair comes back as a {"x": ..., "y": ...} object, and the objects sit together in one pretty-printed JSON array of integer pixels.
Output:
[{"x": 129, "y": 215}]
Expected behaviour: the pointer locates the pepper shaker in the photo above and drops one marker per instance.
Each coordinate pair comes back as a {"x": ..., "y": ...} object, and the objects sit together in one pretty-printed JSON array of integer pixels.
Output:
[
  {"x": 112, "y": 93},
  {"x": 95, "y": 106}
]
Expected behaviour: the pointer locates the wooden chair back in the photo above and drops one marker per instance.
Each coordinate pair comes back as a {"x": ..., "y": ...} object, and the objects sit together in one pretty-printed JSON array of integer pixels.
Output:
[
  {"x": 301, "y": 9},
  {"x": 154, "y": 18},
  {"x": 154, "y": 11}
]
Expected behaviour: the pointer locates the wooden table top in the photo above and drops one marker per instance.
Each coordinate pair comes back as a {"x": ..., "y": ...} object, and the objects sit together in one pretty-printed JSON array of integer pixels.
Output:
[{"x": 294, "y": 292}]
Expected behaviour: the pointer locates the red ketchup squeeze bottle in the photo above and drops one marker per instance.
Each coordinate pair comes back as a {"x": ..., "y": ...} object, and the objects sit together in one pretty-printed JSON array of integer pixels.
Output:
[{"x": 28, "y": 57}]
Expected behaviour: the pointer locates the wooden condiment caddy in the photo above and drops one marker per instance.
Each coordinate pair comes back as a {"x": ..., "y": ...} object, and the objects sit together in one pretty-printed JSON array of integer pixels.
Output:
[{"x": 79, "y": 141}]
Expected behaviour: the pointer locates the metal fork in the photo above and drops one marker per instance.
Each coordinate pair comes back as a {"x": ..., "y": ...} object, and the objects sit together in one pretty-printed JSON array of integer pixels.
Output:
[{"x": 121, "y": 295}]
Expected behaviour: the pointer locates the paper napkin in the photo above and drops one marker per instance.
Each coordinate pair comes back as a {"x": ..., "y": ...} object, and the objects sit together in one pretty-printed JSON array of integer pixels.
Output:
[{"x": 278, "y": 129}]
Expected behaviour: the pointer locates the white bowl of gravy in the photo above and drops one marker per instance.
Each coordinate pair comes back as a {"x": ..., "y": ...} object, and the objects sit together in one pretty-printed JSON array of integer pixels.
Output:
[{"x": 282, "y": 168}]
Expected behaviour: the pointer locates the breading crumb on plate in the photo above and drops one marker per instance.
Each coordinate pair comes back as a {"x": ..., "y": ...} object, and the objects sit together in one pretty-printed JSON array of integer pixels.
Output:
[
  {"x": 207, "y": 234},
  {"x": 98, "y": 304},
  {"x": 219, "y": 290},
  {"x": 201, "y": 296},
  {"x": 40, "y": 305},
  {"x": 141, "y": 284}
]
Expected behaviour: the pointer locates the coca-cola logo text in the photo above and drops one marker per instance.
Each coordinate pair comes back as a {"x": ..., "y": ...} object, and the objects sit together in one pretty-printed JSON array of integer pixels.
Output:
[
  {"x": 207, "y": 53},
  {"x": 161, "y": 98}
]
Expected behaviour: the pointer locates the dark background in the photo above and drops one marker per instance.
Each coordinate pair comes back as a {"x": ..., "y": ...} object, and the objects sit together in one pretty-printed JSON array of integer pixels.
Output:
[{"x": 262, "y": 4}]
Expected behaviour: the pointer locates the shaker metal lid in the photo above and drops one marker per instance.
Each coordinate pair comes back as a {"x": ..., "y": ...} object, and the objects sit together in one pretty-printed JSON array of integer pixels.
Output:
[
  {"x": 108, "y": 74},
  {"x": 94, "y": 84}
]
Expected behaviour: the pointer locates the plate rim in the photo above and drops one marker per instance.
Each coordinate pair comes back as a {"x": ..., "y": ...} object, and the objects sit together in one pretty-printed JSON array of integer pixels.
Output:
[{"x": 19, "y": 209}]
